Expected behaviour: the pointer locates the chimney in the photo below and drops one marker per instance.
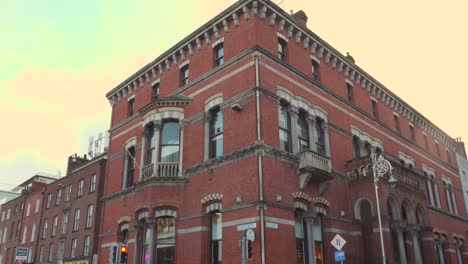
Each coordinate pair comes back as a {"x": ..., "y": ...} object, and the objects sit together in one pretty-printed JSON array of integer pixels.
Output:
[
  {"x": 300, "y": 17},
  {"x": 74, "y": 161}
]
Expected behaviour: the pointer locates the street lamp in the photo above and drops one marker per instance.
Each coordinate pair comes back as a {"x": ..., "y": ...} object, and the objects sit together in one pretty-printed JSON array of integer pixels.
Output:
[{"x": 380, "y": 167}]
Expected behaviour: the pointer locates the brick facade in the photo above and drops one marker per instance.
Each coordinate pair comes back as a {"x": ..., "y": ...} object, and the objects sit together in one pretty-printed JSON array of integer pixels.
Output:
[{"x": 321, "y": 188}]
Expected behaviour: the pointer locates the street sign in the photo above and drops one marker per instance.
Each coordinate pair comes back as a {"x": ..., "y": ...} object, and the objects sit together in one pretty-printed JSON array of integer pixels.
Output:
[
  {"x": 250, "y": 235},
  {"x": 338, "y": 242},
  {"x": 246, "y": 226},
  {"x": 339, "y": 256},
  {"x": 21, "y": 255}
]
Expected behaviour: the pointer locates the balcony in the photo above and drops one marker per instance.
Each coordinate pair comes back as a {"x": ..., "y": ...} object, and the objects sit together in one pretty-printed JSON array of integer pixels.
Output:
[
  {"x": 164, "y": 170},
  {"x": 409, "y": 178},
  {"x": 313, "y": 167}
]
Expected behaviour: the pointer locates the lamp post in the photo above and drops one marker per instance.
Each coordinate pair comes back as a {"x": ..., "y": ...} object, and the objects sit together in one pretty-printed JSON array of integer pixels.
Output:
[{"x": 380, "y": 167}]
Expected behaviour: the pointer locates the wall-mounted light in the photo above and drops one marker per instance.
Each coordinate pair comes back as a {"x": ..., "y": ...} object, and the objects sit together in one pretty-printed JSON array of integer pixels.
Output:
[{"x": 236, "y": 107}]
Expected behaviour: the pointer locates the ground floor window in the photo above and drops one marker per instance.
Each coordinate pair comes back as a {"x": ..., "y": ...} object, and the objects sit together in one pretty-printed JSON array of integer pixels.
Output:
[
  {"x": 216, "y": 238},
  {"x": 165, "y": 240}
]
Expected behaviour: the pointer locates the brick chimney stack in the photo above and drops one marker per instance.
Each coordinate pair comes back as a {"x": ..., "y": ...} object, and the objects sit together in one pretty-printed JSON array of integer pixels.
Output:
[{"x": 300, "y": 17}]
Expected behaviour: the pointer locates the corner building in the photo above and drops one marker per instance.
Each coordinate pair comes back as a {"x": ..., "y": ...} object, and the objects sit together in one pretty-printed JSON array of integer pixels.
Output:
[{"x": 253, "y": 121}]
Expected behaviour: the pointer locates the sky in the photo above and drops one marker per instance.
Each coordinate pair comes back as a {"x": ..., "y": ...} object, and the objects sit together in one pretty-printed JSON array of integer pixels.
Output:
[{"x": 59, "y": 58}]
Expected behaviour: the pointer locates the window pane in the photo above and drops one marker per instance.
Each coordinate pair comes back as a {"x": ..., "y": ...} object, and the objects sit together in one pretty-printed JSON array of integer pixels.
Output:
[
  {"x": 170, "y": 133},
  {"x": 283, "y": 117},
  {"x": 284, "y": 140},
  {"x": 170, "y": 154},
  {"x": 217, "y": 146},
  {"x": 216, "y": 226}
]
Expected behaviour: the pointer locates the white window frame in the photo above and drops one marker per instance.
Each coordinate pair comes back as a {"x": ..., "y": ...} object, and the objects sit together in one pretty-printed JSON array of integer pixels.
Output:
[
  {"x": 38, "y": 204},
  {"x": 80, "y": 188},
  {"x": 68, "y": 192},
  {"x": 33, "y": 233},
  {"x": 25, "y": 234},
  {"x": 28, "y": 209},
  {"x": 86, "y": 244},
  {"x": 65, "y": 216},
  {"x": 89, "y": 216},
  {"x": 76, "y": 221},
  {"x": 54, "y": 225},
  {"x": 74, "y": 245},
  {"x": 92, "y": 185}
]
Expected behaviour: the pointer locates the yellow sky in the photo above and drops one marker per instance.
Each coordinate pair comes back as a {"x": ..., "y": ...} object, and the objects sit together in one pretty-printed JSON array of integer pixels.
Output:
[{"x": 58, "y": 60}]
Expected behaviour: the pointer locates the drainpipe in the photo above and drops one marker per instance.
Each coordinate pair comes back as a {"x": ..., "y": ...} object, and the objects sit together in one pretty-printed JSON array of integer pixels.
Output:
[{"x": 260, "y": 161}]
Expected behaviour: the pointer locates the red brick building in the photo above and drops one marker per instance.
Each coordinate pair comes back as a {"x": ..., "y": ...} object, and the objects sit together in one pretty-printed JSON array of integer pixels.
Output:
[
  {"x": 20, "y": 219},
  {"x": 71, "y": 213},
  {"x": 253, "y": 121}
]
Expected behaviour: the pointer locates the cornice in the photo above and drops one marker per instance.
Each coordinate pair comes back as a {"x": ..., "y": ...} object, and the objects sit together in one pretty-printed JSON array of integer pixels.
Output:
[{"x": 267, "y": 10}]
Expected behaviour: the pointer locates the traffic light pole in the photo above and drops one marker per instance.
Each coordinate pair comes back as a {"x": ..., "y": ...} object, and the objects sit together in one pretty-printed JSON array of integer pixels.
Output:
[{"x": 244, "y": 248}]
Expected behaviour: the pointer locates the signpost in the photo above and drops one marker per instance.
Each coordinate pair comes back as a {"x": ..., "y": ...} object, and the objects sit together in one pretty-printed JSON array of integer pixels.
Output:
[
  {"x": 338, "y": 242},
  {"x": 21, "y": 255}
]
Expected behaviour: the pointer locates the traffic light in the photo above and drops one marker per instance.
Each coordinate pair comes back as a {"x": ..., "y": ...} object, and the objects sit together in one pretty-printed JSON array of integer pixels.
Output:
[
  {"x": 249, "y": 249},
  {"x": 113, "y": 255},
  {"x": 123, "y": 254}
]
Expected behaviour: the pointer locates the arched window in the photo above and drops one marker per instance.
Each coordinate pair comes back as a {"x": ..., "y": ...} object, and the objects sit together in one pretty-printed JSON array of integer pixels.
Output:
[
  {"x": 170, "y": 141},
  {"x": 303, "y": 131},
  {"x": 216, "y": 132},
  {"x": 123, "y": 232},
  {"x": 284, "y": 127},
  {"x": 165, "y": 240}
]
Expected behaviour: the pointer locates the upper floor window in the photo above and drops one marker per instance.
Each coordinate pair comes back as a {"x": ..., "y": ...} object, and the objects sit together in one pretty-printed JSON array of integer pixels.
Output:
[
  {"x": 219, "y": 54},
  {"x": 282, "y": 45},
  {"x": 80, "y": 187},
  {"x": 412, "y": 133},
  {"x": 130, "y": 107},
  {"x": 51, "y": 252},
  {"x": 65, "y": 221},
  {"x": 356, "y": 147},
  {"x": 155, "y": 90},
  {"x": 149, "y": 139},
  {"x": 130, "y": 167},
  {"x": 216, "y": 132},
  {"x": 92, "y": 185},
  {"x": 284, "y": 127},
  {"x": 28, "y": 209},
  {"x": 170, "y": 141},
  {"x": 319, "y": 125},
  {"x": 315, "y": 70},
  {"x": 89, "y": 217},
  {"x": 49, "y": 199},
  {"x": 54, "y": 226},
  {"x": 59, "y": 197},
  {"x": 375, "y": 111},
  {"x": 68, "y": 192},
  {"x": 73, "y": 247},
  {"x": 44, "y": 231},
  {"x": 184, "y": 75},
  {"x": 38, "y": 204},
  {"x": 448, "y": 156},
  {"x": 349, "y": 90},
  {"x": 303, "y": 131},
  {"x": 87, "y": 242},
  {"x": 397, "y": 123},
  {"x": 76, "y": 223}
]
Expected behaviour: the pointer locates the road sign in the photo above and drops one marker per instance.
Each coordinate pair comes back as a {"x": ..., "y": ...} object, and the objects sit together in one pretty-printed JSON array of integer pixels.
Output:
[
  {"x": 246, "y": 226},
  {"x": 250, "y": 235},
  {"x": 21, "y": 255},
  {"x": 338, "y": 242},
  {"x": 339, "y": 256}
]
